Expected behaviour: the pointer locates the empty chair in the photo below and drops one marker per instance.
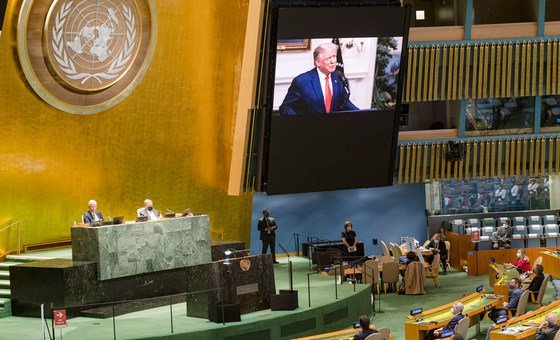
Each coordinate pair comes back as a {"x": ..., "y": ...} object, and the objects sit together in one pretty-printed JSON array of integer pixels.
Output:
[
  {"x": 474, "y": 222},
  {"x": 371, "y": 274},
  {"x": 457, "y": 226},
  {"x": 487, "y": 232},
  {"x": 549, "y": 219},
  {"x": 470, "y": 230},
  {"x": 551, "y": 234},
  {"x": 384, "y": 259},
  {"x": 385, "y": 249},
  {"x": 390, "y": 274},
  {"x": 534, "y": 235},
  {"x": 534, "y": 220},
  {"x": 519, "y": 232},
  {"x": 394, "y": 251},
  {"x": 385, "y": 332},
  {"x": 433, "y": 271},
  {"x": 462, "y": 327}
]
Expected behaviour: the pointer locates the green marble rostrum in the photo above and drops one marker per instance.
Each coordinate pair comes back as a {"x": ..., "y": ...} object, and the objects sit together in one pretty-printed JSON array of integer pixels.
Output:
[{"x": 136, "y": 248}]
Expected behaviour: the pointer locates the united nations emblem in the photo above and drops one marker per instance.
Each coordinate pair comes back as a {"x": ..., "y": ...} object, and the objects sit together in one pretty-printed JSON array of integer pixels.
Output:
[
  {"x": 245, "y": 264},
  {"x": 92, "y": 52}
]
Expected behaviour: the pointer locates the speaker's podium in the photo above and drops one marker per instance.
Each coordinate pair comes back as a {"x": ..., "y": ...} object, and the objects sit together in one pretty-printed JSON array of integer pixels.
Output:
[{"x": 242, "y": 285}]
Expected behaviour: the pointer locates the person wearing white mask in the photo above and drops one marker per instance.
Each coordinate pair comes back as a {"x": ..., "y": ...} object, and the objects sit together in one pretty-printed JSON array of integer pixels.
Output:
[
  {"x": 438, "y": 247},
  {"x": 149, "y": 211},
  {"x": 549, "y": 328}
]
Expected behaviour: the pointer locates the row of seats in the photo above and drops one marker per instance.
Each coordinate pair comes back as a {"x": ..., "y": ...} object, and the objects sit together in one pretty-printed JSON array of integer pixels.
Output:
[{"x": 531, "y": 232}]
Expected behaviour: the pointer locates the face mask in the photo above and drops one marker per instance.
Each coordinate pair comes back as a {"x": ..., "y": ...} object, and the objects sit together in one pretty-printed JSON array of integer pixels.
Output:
[
  {"x": 550, "y": 324},
  {"x": 511, "y": 286},
  {"x": 150, "y": 208}
]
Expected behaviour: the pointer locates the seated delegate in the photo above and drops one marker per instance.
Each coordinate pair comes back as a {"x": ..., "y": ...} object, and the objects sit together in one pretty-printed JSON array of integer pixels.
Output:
[
  {"x": 149, "y": 211},
  {"x": 92, "y": 215},
  {"x": 521, "y": 263},
  {"x": 438, "y": 247},
  {"x": 366, "y": 331},
  {"x": 502, "y": 239},
  {"x": 457, "y": 311},
  {"x": 537, "y": 280},
  {"x": 516, "y": 293}
]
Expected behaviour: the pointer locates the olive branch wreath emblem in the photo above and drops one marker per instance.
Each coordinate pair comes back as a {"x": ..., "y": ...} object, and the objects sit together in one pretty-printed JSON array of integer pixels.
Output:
[{"x": 67, "y": 65}]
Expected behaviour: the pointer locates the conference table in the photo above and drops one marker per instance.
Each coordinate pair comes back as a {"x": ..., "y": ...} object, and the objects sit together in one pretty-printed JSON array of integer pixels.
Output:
[
  {"x": 354, "y": 271},
  {"x": 551, "y": 263},
  {"x": 524, "y": 326},
  {"x": 345, "y": 334},
  {"x": 475, "y": 305}
]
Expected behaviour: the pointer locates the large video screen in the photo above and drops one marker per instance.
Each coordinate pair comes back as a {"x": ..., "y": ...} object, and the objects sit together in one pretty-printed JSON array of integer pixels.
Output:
[{"x": 332, "y": 94}]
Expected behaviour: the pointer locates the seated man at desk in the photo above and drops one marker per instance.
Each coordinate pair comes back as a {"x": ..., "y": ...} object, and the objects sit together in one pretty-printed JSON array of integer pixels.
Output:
[
  {"x": 457, "y": 311},
  {"x": 92, "y": 215},
  {"x": 149, "y": 211},
  {"x": 502, "y": 239},
  {"x": 516, "y": 293},
  {"x": 548, "y": 330},
  {"x": 366, "y": 331},
  {"x": 438, "y": 247}
]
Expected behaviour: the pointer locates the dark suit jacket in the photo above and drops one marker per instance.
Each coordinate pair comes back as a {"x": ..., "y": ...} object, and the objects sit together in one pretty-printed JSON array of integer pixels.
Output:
[
  {"x": 441, "y": 247},
  {"x": 453, "y": 323},
  {"x": 263, "y": 224},
  {"x": 305, "y": 95},
  {"x": 547, "y": 333},
  {"x": 88, "y": 217},
  {"x": 536, "y": 283},
  {"x": 364, "y": 334}
]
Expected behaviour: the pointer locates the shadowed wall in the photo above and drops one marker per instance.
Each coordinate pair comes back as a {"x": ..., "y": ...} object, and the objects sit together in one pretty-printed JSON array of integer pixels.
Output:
[{"x": 170, "y": 140}]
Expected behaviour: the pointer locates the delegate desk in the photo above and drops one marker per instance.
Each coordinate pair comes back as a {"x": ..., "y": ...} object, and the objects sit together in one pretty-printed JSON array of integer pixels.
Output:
[
  {"x": 143, "y": 247},
  {"x": 499, "y": 277},
  {"x": 551, "y": 263},
  {"x": 476, "y": 304},
  {"x": 345, "y": 334},
  {"x": 524, "y": 326}
]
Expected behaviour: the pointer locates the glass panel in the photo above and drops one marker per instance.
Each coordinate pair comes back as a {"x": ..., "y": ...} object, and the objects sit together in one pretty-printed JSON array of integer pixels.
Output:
[
  {"x": 438, "y": 13},
  {"x": 553, "y": 10},
  {"x": 432, "y": 115},
  {"x": 500, "y": 116},
  {"x": 497, "y": 194},
  {"x": 505, "y": 11},
  {"x": 550, "y": 114}
]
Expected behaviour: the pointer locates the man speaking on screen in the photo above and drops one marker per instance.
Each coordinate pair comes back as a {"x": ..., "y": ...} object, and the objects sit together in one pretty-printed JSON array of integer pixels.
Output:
[{"x": 319, "y": 90}]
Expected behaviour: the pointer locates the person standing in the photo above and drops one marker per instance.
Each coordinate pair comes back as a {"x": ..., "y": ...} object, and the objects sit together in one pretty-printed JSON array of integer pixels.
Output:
[
  {"x": 267, "y": 226},
  {"x": 92, "y": 215},
  {"x": 349, "y": 239}
]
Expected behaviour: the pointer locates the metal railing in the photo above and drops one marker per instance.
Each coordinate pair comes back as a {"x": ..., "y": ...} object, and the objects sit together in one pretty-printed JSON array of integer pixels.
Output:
[{"x": 18, "y": 226}]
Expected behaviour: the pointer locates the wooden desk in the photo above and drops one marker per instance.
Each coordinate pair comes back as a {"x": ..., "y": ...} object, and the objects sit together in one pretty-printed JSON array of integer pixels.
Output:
[
  {"x": 499, "y": 276},
  {"x": 474, "y": 306},
  {"x": 551, "y": 263},
  {"x": 480, "y": 259},
  {"x": 531, "y": 320},
  {"x": 345, "y": 334}
]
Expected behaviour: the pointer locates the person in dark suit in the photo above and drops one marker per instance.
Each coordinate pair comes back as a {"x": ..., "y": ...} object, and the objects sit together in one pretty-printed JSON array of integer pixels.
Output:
[
  {"x": 366, "y": 331},
  {"x": 92, "y": 215},
  {"x": 267, "y": 226},
  {"x": 349, "y": 239},
  {"x": 516, "y": 293},
  {"x": 537, "y": 281},
  {"x": 457, "y": 311},
  {"x": 438, "y": 247},
  {"x": 149, "y": 211},
  {"x": 319, "y": 90},
  {"x": 549, "y": 328}
]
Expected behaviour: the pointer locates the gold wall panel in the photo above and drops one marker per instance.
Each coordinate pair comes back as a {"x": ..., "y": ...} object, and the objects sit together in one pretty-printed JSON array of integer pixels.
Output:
[{"x": 170, "y": 140}]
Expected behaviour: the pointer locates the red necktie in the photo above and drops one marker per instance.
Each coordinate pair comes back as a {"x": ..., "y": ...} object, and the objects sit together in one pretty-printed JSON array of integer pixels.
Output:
[{"x": 328, "y": 95}]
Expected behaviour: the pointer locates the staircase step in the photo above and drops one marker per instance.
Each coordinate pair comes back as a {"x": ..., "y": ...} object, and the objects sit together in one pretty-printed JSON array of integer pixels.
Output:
[
  {"x": 5, "y": 293},
  {"x": 4, "y": 275},
  {"x": 26, "y": 258},
  {"x": 5, "y": 284}
]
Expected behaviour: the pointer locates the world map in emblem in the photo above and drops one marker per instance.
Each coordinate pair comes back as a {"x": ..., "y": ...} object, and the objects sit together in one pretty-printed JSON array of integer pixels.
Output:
[{"x": 91, "y": 44}]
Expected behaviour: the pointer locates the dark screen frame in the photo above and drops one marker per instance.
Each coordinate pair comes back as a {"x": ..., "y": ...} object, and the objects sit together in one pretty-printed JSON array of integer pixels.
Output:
[{"x": 289, "y": 27}]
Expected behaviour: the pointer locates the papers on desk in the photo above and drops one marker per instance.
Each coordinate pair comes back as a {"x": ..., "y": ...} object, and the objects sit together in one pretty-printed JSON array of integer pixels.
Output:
[{"x": 515, "y": 330}]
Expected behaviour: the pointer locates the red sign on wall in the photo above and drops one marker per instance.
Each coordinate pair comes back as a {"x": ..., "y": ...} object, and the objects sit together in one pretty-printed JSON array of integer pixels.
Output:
[{"x": 59, "y": 318}]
